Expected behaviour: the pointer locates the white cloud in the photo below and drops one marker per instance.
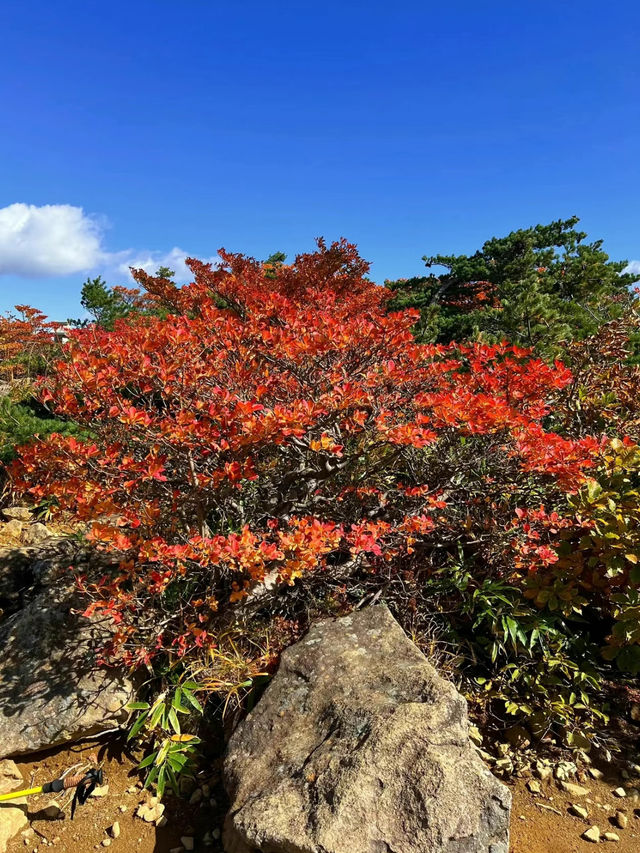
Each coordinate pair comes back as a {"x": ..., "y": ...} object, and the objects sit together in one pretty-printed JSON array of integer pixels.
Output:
[
  {"x": 150, "y": 261},
  {"x": 51, "y": 240},
  {"x": 60, "y": 239},
  {"x": 633, "y": 267}
]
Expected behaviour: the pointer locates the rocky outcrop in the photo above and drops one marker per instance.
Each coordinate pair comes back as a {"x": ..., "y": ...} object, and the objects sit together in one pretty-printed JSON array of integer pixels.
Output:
[
  {"x": 359, "y": 746},
  {"x": 13, "y": 814},
  {"x": 51, "y": 691}
]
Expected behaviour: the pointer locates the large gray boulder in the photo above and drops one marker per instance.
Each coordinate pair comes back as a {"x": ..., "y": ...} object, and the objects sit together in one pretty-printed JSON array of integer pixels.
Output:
[
  {"x": 51, "y": 691},
  {"x": 359, "y": 746}
]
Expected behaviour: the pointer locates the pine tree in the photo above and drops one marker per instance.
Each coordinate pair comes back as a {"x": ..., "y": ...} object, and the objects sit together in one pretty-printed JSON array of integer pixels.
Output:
[{"x": 536, "y": 287}]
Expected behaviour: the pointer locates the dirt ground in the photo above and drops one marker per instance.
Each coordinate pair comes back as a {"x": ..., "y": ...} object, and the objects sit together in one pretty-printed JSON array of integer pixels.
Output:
[
  {"x": 541, "y": 823},
  {"x": 89, "y": 828},
  {"x": 536, "y": 829}
]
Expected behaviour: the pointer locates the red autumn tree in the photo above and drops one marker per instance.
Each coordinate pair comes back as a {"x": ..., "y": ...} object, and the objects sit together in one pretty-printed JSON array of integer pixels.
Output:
[
  {"x": 26, "y": 341},
  {"x": 273, "y": 424}
]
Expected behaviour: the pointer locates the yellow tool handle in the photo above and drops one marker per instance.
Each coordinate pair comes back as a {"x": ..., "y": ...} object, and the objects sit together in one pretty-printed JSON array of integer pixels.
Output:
[{"x": 16, "y": 795}]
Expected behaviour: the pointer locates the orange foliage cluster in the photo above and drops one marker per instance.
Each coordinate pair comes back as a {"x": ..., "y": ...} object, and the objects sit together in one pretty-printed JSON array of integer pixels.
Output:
[{"x": 268, "y": 427}]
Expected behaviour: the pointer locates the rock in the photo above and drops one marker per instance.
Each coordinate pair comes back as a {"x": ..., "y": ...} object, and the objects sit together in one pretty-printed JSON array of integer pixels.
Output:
[
  {"x": 611, "y": 836},
  {"x": 36, "y": 533},
  {"x": 565, "y": 770},
  {"x": 534, "y": 786},
  {"x": 106, "y": 842},
  {"x": 574, "y": 790},
  {"x": 13, "y": 528},
  {"x": 592, "y": 834},
  {"x": 13, "y": 814},
  {"x": 21, "y": 513},
  {"x": 100, "y": 791},
  {"x": 114, "y": 830},
  {"x": 196, "y": 797},
  {"x": 150, "y": 812},
  {"x": 123, "y": 808},
  {"x": 187, "y": 842},
  {"x": 358, "y": 745},
  {"x": 50, "y": 689},
  {"x": 162, "y": 821},
  {"x": 621, "y": 820},
  {"x": 542, "y": 770},
  {"x": 595, "y": 773},
  {"x": 216, "y": 833},
  {"x": 579, "y": 811},
  {"x": 635, "y": 712},
  {"x": 619, "y": 792},
  {"x": 53, "y": 811}
]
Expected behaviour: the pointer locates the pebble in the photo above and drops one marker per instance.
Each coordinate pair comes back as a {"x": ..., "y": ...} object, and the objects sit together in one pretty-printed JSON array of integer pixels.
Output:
[
  {"x": 106, "y": 842},
  {"x": 53, "y": 811},
  {"x": 100, "y": 791},
  {"x": 611, "y": 836},
  {"x": 579, "y": 811},
  {"x": 114, "y": 831},
  {"x": 592, "y": 834},
  {"x": 595, "y": 773},
  {"x": 123, "y": 808},
  {"x": 187, "y": 842},
  {"x": 206, "y": 790},
  {"x": 534, "y": 786},
  {"x": 162, "y": 821},
  {"x": 196, "y": 797},
  {"x": 619, "y": 792},
  {"x": 574, "y": 790},
  {"x": 621, "y": 820},
  {"x": 150, "y": 812}
]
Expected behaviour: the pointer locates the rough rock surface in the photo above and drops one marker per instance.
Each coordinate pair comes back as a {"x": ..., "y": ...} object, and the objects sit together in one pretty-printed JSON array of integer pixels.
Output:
[
  {"x": 13, "y": 814},
  {"x": 359, "y": 746},
  {"x": 50, "y": 691}
]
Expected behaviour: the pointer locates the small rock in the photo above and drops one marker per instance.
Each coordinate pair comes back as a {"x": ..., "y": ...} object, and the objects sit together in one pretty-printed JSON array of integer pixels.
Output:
[
  {"x": 100, "y": 791},
  {"x": 123, "y": 808},
  {"x": 216, "y": 834},
  {"x": 187, "y": 842},
  {"x": 52, "y": 811},
  {"x": 579, "y": 811},
  {"x": 542, "y": 771},
  {"x": 574, "y": 790},
  {"x": 611, "y": 836},
  {"x": 504, "y": 765},
  {"x": 595, "y": 773},
  {"x": 565, "y": 770},
  {"x": 21, "y": 513},
  {"x": 114, "y": 831},
  {"x": 474, "y": 734},
  {"x": 162, "y": 821},
  {"x": 36, "y": 533},
  {"x": 635, "y": 713},
  {"x": 619, "y": 792},
  {"x": 592, "y": 834},
  {"x": 106, "y": 842},
  {"x": 196, "y": 797},
  {"x": 131, "y": 790},
  {"x": 150, "y": 812},
  {"x": 206, "y": 790},
  {"x": 13, "y": 528},
  {"x": 534, "y": 786},
  {"x": 621, "y": 820}
]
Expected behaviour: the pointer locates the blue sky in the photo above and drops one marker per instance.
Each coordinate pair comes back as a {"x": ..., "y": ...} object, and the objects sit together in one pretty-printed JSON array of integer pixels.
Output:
[{"x": 130, "y": 131}]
